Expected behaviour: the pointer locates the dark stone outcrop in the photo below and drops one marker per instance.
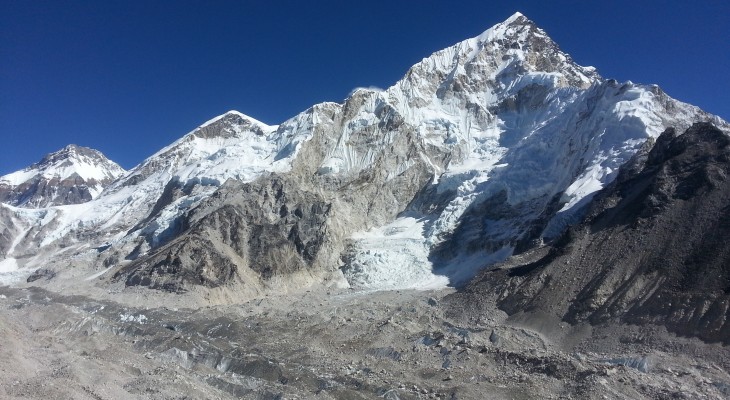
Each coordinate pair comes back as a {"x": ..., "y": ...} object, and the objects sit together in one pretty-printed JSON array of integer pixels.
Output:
[
  {"x": 40, "y": 192},
  {"x": 267, "y": 226},
  {"x": 40, "y": 274}
]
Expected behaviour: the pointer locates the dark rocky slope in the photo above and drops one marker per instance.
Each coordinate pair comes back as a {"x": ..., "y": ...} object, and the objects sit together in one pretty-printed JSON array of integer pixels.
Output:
[
  {"x": 40, "y": 192},
  {"x": 256, "y": 226},
  {"x": 651, "y": 249}
]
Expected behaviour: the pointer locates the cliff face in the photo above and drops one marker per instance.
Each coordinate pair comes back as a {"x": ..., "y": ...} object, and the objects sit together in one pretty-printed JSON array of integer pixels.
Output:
[
  {"x": 652, "y": 249},
  {"x": 258, "y": 228}
]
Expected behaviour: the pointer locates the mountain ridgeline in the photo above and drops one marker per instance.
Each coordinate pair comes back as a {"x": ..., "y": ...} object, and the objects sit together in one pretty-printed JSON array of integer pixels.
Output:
[{"x": 497, "y": 146}]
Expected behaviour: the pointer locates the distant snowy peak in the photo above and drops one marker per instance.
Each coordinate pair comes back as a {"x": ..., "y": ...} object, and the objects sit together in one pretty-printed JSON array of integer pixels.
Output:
[
  {"x": 71, "y": 175},
  {"x": 85, "y": 162},
  {"x": 234, "y": 117}
]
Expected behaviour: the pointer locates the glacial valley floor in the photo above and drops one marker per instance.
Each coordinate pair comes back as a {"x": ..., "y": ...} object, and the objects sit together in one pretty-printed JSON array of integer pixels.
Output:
[{"x": 334, "y": 345}]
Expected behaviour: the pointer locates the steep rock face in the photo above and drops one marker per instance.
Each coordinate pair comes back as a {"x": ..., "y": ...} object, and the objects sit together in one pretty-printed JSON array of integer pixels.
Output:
[
  {"x": 265, "y": 227},
  {"x": 9, "y": 229},
  {"x": 652, "y": 248},
  {"x": 71, "y": 175}
]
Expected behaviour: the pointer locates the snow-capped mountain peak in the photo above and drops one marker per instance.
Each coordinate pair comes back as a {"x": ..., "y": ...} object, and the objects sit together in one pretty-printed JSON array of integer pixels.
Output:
[
  {"x": 515, "y": 16},
  {"x": 233, "y": 115},
  {"x": 74, "y": 174},
  {"x": 62, "y": 164},
  {"x": 231, "y": 145},
  {"x": 507, "y": 50}
]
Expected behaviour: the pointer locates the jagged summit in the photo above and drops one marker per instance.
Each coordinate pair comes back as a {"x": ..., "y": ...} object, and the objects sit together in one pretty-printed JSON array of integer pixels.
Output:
[
  {"x": 231, "y": 145},
  {"x": 515, "y": 16},
  {"x": 234, "y": 115},
  {"x": 515, "y": 19},
  {"x": 88, "y": 163},
  {"x": 74, "y": 154},
  {"x": 72, "y": 175},
  {"x": 517, "y": 46}
]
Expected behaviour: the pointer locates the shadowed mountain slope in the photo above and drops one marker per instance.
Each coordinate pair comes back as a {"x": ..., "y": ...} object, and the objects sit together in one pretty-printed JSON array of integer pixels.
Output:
[{"x": 652, "y": 248}]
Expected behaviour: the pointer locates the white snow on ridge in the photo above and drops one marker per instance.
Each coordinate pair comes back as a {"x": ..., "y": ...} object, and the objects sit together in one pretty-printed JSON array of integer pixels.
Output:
[
  {"x": 240, "y": 148},
  {"x": 62, "y": 167},
  {"x": 240, "y": 114},
  {"x": 18, "y": 177},
  {"x": 193, "y": 156}
]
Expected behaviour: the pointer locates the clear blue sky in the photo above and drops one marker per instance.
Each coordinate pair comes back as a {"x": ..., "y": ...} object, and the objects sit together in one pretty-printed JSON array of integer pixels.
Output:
[{"x": 129, "y": 77}]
